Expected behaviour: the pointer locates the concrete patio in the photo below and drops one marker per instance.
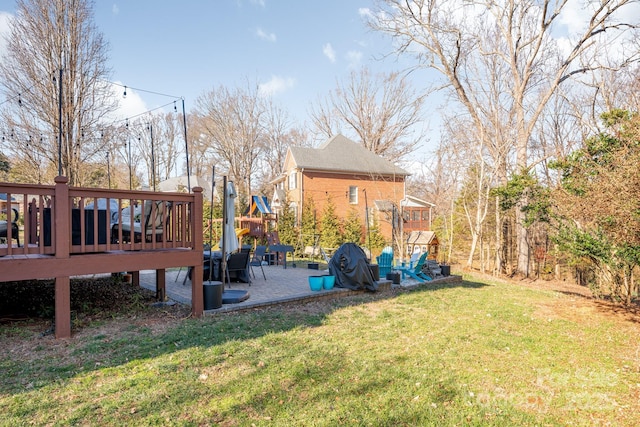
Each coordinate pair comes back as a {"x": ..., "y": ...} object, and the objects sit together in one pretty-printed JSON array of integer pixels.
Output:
[{"x": 281, "y": 286}]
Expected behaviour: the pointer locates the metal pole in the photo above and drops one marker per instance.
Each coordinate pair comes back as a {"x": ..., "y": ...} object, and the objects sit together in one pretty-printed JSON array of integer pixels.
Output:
[
  {"x": 130, "y": 171},
  {"x": 60, "y": 123},
  {"x": 153, "y": 158},
  {"x": 186, "y": 147},
  {"x": 108, "y": 171}
]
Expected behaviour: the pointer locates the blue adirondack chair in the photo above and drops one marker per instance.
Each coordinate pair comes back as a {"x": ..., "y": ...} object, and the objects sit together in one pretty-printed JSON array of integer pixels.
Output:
[
  {"x": 416, "y": 271},
  {"x": 385, "y": 261}
]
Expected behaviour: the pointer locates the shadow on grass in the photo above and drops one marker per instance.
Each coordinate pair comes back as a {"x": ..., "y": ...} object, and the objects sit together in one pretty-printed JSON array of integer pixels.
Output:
[
  {"x": 47, "y": 361},
  {"x": 629, "y": 313},
  {"x": 438, "y": 285}
]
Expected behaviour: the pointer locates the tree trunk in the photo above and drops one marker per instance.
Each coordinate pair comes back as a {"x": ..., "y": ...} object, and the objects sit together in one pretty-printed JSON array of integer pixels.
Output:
[
  {"x": 482, "y": 255},
  {"x": 499, "y": 267},
  {"x": 522, "y": 244},
  {"x": 472, "y": 250}
]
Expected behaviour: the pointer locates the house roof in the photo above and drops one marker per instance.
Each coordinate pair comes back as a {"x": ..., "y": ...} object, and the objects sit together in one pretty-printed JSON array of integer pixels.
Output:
[
  {"x": 422, "y": 238},
  {"x": 413, "y": 202},
  {"x": 340, "y": 154}
]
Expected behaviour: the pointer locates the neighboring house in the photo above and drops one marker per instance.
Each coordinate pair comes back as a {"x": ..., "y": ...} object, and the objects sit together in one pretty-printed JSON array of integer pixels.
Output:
[
  {"x": 346, "y": 173},
  {"x": 416, "y": 214}
]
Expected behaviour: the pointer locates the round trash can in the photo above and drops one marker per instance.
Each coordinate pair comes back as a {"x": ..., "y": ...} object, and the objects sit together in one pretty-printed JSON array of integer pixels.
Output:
[
  {"x": 446, "y": 269},
  {"x": 212, "y": 295}
]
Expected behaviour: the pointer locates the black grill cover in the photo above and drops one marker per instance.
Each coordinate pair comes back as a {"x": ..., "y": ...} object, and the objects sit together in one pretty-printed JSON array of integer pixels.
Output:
[{"x": 349, "y": 265}]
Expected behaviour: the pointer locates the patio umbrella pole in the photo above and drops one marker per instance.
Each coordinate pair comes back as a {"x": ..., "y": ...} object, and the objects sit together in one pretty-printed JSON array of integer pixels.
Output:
[
  {"x": 224, "y": 224},
  {"x": 213, "y": 185}
]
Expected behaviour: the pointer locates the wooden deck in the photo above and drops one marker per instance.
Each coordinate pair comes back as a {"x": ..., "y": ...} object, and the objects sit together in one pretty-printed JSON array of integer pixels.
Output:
[{"x": 69, "y": 231}]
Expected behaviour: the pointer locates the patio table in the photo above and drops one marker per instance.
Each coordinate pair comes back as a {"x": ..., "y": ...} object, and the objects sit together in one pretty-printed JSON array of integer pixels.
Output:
[{"x": 278, "y": 249}]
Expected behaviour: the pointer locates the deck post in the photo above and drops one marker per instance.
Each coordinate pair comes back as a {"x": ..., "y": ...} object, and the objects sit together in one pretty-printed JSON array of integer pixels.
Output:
[
  {"x": 161, "y": 285},
  {"x": 63, "y": 287},
  {"x": 135, "y": 278},
  {"x": 62, "y": 317}
]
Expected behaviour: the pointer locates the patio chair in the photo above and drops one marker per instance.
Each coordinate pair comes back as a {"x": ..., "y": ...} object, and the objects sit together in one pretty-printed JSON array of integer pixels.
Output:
[
  {"x": 4, "y": 227},
  {"x": 156, "y": 215},
  {"x": 385, "y": 261},
  {"x": 256, "y": 260},
  {"x": 416, "y": 271},
  {"x": 238, "y": 262}
]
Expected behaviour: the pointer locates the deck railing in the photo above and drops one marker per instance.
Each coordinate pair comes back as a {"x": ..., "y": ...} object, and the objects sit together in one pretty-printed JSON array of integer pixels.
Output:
[
  {"x": 66, "y": 231},
  {"x": 96, "y": 220}
]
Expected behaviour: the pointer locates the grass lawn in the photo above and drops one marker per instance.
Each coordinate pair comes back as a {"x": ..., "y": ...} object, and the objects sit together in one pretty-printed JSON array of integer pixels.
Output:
[{"x": 472, "y": 353}]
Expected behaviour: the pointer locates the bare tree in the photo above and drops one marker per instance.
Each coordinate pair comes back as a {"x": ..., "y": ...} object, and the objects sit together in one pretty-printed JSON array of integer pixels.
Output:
[
  {"x": 169, "y": 139},
  {"x": 232, "y": 122},
  {"x": 469, "y": 159},
  {"x": 201, "y": 157},
  {"x": 384, "y": 111},
  {"x": 56, "y": 61},
  {"x": 152, "y": 146},
  {"x": 453, "y": 37},
  {"x": 279, "y": 135}
]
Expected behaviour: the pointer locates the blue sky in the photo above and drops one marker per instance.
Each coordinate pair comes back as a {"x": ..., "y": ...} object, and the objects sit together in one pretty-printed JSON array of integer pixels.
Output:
[{"x": 296, "y": 50}]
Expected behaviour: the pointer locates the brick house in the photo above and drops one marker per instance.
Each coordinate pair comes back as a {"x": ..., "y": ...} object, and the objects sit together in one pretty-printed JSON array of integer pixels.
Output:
[{"x": 346, "y": 173}]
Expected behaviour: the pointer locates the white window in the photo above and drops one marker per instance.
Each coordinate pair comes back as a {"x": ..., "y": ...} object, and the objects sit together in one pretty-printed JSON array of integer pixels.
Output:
[
  {"x": 293, "y": 181},
  {"x": 353, "y": 195}
]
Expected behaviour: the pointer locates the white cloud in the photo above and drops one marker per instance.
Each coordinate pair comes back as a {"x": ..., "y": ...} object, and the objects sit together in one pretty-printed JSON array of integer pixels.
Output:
[
  {"x": 328, "y": 51},
  {"x": 115, "y": 9},
  {"x": 271, "y": 37},
  {"x": 574, "y": 16},
  {"x": 365, "y": 12},
  {"x": 354, "y": 57},
  {"x": 574, "y": 21},
  {"x": 261, "y": 3},
  {"x": 129, "y": 106},
  {"x": 276, "y": 85}
]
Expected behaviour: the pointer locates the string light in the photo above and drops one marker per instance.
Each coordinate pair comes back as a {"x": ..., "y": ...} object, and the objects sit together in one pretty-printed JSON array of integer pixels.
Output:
[
  {"x": 141, "y": 90},
  {"x": 115, "y": 123},
  {"x": 19, "y": 95}
]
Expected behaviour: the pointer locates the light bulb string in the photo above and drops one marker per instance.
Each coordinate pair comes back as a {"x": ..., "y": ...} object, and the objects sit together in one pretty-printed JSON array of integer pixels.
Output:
[{"x": 141, "y": 90}]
